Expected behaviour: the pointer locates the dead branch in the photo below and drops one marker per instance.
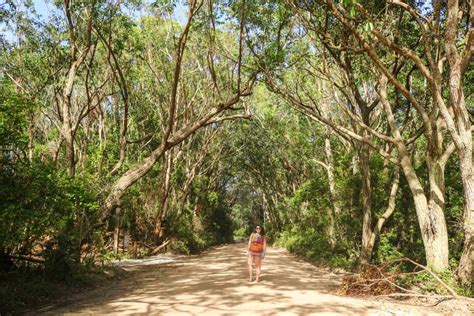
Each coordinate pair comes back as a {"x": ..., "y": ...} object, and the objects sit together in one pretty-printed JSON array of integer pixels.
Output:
[
  {"x": 450, "y": 290},
  {"x": 157, "y": 249},
  {"x": 29, "y": 259}
]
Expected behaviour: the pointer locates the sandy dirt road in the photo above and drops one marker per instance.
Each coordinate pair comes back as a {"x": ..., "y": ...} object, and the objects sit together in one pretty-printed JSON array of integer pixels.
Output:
[{"x": 216, "y": 283}]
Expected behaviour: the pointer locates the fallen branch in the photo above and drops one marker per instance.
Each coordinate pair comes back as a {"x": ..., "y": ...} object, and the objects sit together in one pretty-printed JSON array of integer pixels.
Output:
[
  {"x": 29, "y": 259},
  {"x": 146, "y": 245},
  {"x": 157, "y": 249},
  {"x": 450, "y": 290},
  {"x": 440, "y": 297},
  {"x": 377, "y": 281},
  {"x": 418, "y": 295}
]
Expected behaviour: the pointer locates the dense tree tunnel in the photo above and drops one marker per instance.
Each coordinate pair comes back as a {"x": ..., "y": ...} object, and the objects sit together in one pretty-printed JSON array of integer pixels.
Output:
[{"x": 341, "y": 127}]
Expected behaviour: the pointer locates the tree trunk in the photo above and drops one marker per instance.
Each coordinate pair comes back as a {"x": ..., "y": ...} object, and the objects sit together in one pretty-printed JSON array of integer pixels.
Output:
[
  {"x": 161, "y": 214},
  {"x": 388, "y": 212},
  {"x": 459, "y": 125},
  {"x": 102, "y": 140},
  {"x": 31, "y": 135},
  {"x": 331, "y": 176},
  {"x": 466, "y": 264},
  {"x": 117, "y": 229},
  {"x": 71, "y": 156},
  {"x": 129, "y": 178},
  {"x": 431, "y": 220},
  {"x": 366, "y": 195},
  {"x": 137, "y": 171},
  {"x": 332, "y": 190}
]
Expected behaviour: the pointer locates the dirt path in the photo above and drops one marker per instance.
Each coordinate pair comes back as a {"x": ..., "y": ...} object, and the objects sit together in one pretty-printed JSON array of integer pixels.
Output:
[{"x": 216, "y": 284}]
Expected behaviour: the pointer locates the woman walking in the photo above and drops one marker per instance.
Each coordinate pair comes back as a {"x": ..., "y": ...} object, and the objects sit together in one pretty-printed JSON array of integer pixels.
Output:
[{"x": 256, "y": 248}]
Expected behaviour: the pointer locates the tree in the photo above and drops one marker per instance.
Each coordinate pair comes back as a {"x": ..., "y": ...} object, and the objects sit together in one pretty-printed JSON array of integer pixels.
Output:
[
  {"x": 355, "y": 40},
  {"x": 224, "y": 97}
]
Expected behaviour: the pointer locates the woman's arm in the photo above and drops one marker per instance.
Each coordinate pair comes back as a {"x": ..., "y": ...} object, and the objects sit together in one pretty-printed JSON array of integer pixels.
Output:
[{"x": 250, "y": 242}]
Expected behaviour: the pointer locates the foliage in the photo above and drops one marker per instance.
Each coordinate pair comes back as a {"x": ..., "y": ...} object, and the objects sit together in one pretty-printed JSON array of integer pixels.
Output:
[
  {"x": 425, "y": 283},
  {"x": 46, "y": 214},
  {"x": 13, "y": 113}
]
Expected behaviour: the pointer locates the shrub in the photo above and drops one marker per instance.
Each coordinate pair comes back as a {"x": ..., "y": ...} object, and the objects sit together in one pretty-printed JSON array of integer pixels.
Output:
[{"x": 44, "y": 214}]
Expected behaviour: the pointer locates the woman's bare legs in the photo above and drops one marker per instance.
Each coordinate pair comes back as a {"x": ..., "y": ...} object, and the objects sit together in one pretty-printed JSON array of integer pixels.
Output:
[
  {"x": 249, "y": 262},
  {"x": 258, "y": 267}
]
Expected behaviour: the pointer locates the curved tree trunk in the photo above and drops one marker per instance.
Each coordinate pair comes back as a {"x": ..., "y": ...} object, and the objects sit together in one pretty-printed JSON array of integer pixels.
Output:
[
  {"x": 140, "y": 169},
  {"x": 430, "y": 217},
  {"x": 129, "y": 178}
]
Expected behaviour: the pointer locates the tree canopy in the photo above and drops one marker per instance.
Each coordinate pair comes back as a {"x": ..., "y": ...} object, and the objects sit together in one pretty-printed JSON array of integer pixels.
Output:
[{"x": 343, "y": 127}]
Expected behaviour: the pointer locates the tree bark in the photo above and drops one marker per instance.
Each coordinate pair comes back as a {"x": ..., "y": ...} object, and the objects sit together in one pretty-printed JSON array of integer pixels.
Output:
[
  {"x": 366, "y": 197},
  {"x": 332, "y": 212},
  {"x": 331, "y": 175},
  {"x": 460, "y": 127},
  {"x": 71, "y": 155},
  {"x": 117, "y": 229},
  {"x": 466, "y": 263},
  {"x": 67, "y": 129},
  {"x": 388, "y": 212},
  {"x": 161, "y": 214},
  {"x": 31, "y": 135},
  {"x": 431, "y": 220}
]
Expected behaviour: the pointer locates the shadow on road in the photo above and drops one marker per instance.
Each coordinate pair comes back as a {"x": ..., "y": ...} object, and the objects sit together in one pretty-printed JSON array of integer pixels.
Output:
[{"x": 216, "y": 284}]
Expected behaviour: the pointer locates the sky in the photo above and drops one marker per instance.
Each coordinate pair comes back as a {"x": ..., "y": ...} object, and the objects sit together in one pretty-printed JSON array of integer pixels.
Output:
[{"x": 45, "y": 7}]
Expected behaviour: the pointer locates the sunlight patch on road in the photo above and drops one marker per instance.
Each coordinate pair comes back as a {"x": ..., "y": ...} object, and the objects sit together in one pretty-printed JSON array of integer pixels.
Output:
[{"x": 160, "y": 259}]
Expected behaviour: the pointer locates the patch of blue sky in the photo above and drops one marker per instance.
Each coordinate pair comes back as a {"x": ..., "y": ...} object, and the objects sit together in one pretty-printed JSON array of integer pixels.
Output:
[
  {"x": 44, "y": 10},
  {"x": 38, "y": 9}
]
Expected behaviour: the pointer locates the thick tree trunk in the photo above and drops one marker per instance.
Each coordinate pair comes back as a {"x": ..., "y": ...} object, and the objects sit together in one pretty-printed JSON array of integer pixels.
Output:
[
  {"x": 431, "y": 220},
  {"x": 459, "y": 124},
  {"x": 129, "y": 178},
  {"x": 436, "y": 201},
  {"x": 466, "y": 264},
  {"x": 437, "y": 189}
]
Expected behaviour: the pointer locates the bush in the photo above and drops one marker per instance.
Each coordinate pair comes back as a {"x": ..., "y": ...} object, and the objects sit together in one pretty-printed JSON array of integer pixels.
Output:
[
  {"x": 44, "y": 213},
  {"x": 186, "y": 240},
  {"x": 240, "y": 233},
  {"x": 426, "y": 283}
]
